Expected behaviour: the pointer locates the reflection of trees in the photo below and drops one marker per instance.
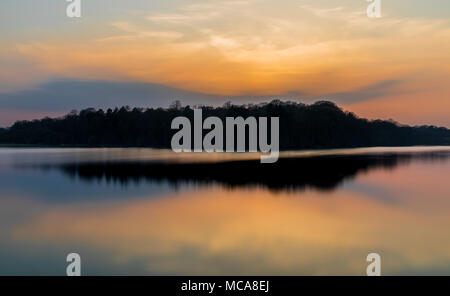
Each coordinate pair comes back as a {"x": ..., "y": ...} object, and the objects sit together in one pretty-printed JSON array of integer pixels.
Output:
[{"x": 324, "y": 172}]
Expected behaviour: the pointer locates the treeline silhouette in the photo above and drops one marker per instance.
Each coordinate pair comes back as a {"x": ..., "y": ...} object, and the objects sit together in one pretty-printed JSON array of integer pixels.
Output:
[{"x": 319, "y": 125}]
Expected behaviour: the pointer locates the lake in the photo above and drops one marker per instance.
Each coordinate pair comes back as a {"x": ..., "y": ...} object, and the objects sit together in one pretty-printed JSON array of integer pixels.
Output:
[{"x": 153, "y": 212}]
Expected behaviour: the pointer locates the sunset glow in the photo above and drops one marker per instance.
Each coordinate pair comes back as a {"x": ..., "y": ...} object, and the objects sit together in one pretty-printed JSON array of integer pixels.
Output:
[{"x": 397, "y": 66}]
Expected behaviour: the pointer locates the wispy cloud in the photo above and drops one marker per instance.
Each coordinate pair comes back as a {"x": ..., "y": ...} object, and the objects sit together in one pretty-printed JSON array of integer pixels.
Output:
[
  {"x": 234, "y": 47},
  {"x": 256, "y": 47}
]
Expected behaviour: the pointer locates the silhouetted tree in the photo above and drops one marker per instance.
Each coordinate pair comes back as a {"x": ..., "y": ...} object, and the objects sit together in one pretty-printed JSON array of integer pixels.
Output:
[{"x": 320, "y": 125}]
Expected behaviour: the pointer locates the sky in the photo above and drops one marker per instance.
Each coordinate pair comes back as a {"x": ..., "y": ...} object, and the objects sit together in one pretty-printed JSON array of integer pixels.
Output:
[{"x": 150, "y": 53}]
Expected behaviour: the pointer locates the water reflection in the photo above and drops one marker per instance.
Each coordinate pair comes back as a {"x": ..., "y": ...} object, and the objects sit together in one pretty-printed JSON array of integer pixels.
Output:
[
  {"x": 250, "y": 232},
  {"x": 244, "y": 222},
  {"x": 289, "y": 173}
]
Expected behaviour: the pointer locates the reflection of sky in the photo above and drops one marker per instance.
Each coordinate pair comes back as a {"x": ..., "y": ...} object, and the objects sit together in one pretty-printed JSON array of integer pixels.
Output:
[
  {"x": 400, "y": 213},
  {"x": 52, "y": 186}
]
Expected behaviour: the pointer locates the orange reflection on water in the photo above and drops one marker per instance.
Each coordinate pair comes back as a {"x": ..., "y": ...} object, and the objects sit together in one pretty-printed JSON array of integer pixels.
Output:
[{"x": 255, "y": 231}]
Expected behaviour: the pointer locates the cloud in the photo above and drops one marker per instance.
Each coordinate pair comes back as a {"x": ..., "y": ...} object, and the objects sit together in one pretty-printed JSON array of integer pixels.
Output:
[
  {"x": 376, "y": 90},
  {"x": 136, "y": 33},
  {"x": 241, "y": 47},
  {"x": 58, "y": 97},
  {"x": 384, "y": 99},
  {"x": 254, "y": 48},
  {"x": 65, "y": 95}
]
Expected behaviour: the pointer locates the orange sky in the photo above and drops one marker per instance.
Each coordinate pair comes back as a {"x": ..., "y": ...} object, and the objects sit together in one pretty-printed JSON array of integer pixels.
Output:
[{"x": 396, "y": 67}]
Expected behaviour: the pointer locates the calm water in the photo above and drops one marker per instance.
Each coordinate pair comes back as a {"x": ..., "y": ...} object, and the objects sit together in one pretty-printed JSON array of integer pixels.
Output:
[{"x": 143, "y": 211}]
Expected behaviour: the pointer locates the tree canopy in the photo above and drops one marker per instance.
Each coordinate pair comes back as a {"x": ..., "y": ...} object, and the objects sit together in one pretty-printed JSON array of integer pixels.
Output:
[{"x": 316, "y": 126}]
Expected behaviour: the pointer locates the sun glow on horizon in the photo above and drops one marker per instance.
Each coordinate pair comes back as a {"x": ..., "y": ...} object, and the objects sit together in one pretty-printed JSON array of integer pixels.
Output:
[{"x": 254, "y": 47}]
